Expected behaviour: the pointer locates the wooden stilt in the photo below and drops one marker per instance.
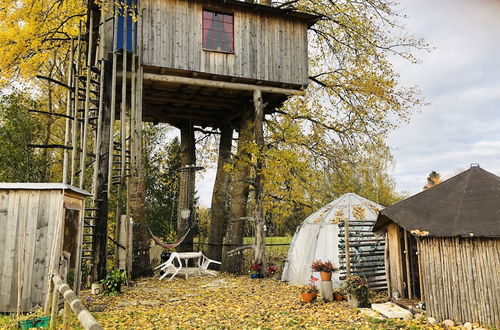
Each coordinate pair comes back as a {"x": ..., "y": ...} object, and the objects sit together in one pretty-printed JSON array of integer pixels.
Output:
[
  {"x": 260, "y": 235},
  {"x": 83, "y": 161},
  {"x": 113, "y": 100},
  {"x": 75, "y": 107},
  {"x": 68, "y": 113}
]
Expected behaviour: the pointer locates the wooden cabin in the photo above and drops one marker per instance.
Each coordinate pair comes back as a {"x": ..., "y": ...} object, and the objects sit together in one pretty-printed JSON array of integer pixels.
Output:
[
  {"x": 201, "y": 60},
  {"x": 42, "y": 227},
  {"x": 443, "y": 248}
]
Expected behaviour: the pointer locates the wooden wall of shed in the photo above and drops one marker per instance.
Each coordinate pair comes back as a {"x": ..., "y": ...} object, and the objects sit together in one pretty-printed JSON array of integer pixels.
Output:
[
  {"x": 269, "y": 48},
  {"x": 29, "y": 245},
  {"x": 395, "y": 267},
  {"x": 461, "y": 279}
]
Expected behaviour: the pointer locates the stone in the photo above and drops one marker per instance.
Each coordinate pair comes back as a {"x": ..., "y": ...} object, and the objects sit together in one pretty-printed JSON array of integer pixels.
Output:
[
  {"x": 418, "y": 315},
  {"x": 392, "y": 311},
  {"x": 448, "y": 323},
  {"x": 467, "y": 326},
  {"x": 368, "y": 312},
  {"x": 431, "y": 320}
]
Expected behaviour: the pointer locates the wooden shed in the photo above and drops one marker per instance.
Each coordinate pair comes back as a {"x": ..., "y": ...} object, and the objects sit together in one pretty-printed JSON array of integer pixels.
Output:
[
  {"x": 41, "y": 234},
  {"x": 443, "y": 248}
]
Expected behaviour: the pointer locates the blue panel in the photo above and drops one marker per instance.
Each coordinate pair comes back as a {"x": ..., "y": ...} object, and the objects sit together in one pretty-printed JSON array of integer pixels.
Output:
[{"x": 131, "y": 5}]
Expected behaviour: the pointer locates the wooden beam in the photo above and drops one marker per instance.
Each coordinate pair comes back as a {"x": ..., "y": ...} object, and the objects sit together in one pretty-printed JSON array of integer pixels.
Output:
[
  {"x": 407, "y": 261},
  {"x": 219, "y": 84}
]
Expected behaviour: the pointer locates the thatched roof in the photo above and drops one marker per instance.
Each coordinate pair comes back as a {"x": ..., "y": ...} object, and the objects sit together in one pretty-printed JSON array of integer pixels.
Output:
[{"x": 466, "y": 205}]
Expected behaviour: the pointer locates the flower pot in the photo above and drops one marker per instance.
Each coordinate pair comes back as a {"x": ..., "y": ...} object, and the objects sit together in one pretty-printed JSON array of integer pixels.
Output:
[
  {"x": 308, "y": 296},
  {"x": 339, "y": 297},
  {"x": 255, "y": 276},
  {"x": 326, "y": 276},
  {"x": 353, "y": 300}
]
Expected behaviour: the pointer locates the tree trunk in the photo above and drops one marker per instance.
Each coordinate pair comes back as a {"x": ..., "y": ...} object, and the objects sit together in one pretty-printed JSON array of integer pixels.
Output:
[
  {"x": 140, "y": 241},
  {"x": 239, "y": 196},
  {"x": 219, "y": 197},
  {"x": 187, "y": 188},
  {"x": 260, "y": 235},
  {"x": 100, "y": 239}
]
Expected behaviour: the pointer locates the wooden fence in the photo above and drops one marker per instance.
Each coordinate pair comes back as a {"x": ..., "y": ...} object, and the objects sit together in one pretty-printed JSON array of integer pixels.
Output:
[
  {"x": 461, "y": 279},
  {"x": 71, "y": 302}
]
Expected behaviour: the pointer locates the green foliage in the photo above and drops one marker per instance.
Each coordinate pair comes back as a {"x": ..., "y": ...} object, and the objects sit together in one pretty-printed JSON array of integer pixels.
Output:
[
  {"x": 18, "y": 128},
  {"x": 113, "y": 281},
  {"x": 162, "y": 160},
  {"x": 357, "y": 286}
]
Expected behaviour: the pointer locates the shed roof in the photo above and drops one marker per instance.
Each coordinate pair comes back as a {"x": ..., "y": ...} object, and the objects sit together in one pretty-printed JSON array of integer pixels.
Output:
[
  {"x": 465, "y": 205},
  {"x": 41, "y": 186}
]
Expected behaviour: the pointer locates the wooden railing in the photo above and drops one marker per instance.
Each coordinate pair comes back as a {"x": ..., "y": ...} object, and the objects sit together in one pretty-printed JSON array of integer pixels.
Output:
[{"x": 71, "y": 303}]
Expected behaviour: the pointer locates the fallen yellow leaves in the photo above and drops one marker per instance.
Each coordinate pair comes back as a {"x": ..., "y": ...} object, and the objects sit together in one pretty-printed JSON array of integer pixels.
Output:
[{"x": 225, "y": 302}]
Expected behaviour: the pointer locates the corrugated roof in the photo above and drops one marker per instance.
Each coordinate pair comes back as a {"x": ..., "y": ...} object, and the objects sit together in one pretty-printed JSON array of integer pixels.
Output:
[
  {"x": 41, "y": 186},
  {"x": 465, "y": 205}
]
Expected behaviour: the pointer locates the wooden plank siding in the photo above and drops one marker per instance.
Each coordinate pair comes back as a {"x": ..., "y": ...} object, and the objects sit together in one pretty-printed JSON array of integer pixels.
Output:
[
  {"x": 397, "y": 282},
  {"x": 266, "y": 47},
  {"x": 30, "y": 244},
  {"x": 461, "y": 279}
]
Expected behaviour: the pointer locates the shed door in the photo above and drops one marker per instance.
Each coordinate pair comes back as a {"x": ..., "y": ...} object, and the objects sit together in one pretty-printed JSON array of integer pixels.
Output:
[{"x": 70, "y": 250}]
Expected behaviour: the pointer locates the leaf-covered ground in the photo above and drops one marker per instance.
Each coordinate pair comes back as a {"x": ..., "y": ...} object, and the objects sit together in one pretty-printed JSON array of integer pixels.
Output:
[{"x": 224, "y": 302}]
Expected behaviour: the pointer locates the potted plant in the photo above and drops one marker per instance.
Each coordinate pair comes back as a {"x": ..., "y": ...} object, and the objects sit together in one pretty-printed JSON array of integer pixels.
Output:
[
  {"x": 113, "y": 282},
  {"x": 338, "y": 295},
  {"x": 309, "y": 293},
  {"x": 325, "y": 268},
  {"x": 357, "y": 291},
  {"x": 272, "y": 270},
  {"x": 256, "y": 269}
]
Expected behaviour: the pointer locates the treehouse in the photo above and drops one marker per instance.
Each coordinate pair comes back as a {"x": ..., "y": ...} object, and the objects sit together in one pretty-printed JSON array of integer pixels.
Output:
[{"x": 201, "y": 60}]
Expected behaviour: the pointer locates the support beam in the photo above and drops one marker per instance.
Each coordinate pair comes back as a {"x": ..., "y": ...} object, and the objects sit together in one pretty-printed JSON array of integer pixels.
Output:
[
  {"x": 154, "y": 77},
  {"x": 260, "y": 235}
]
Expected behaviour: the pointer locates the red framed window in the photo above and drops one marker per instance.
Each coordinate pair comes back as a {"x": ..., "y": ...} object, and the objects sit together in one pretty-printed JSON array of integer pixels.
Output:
[{"x": 218, "y": 32}]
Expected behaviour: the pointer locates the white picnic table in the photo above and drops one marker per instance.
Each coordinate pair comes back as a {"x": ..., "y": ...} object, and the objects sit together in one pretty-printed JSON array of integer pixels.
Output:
[{"x": 174, "y": 265}]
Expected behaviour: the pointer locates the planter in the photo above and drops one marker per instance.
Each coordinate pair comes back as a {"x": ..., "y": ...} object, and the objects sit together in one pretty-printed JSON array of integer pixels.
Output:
[
  {"x": 339, "y": 297},
  {"x": 353, "y": 300},
  {"x": 255, "y": 276},
  {"x": 308, "y": 297},
  {"x": 326, "y": 276},
  {"x": 96, "y": 288}
]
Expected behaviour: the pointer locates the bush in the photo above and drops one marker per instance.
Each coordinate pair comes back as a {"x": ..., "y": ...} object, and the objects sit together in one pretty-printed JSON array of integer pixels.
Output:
[{"x": 113, "y": 281}]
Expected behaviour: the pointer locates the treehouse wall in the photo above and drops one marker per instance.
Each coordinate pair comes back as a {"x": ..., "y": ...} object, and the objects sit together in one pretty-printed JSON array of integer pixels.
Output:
[{"x": 267, "y": 47}]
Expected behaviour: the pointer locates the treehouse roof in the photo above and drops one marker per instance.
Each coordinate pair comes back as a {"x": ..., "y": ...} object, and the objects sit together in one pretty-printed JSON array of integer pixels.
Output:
[
  {"x": 466, "y": 205},
  {"x": 41, "y": 186}
]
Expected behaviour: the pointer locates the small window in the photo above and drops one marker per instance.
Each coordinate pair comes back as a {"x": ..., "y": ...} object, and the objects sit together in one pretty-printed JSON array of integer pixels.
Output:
[{"x": 218, "y": 32}]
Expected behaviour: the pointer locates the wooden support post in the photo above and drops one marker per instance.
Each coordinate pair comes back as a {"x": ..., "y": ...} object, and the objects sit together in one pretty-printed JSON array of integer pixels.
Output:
[
  {"x": 101, "y": 194},
  {"x": 123, "y": 140},
  {"x": 68, "y": 113},
  {"x": 407, "y": 262},
  {"x": 239, "y": 196},
  {"x": 83, "y": 156},
  {"x": 420, "y": 270},
  {"x": 140, "y": 265},
  {"x": 66, "y": 315},
  {"x": 113, "y": 100},
  {"x": 76, "y": 85},
  {"x": 260, "y": 235}
]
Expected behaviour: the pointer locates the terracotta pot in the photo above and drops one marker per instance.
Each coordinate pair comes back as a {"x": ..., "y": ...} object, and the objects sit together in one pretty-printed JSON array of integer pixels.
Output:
[
  {"x": 308, "y": 297},
  {"x": 326, "y": 276},
  {"x": 339, "y": 297}
]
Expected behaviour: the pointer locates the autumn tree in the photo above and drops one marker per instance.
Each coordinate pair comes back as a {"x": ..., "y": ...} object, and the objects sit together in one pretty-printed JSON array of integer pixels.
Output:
[{"x": 433, "y": 180}]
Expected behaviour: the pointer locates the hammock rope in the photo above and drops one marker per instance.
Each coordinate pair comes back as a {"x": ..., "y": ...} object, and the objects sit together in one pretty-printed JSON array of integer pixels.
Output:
[{"x": 166, "y": 245}]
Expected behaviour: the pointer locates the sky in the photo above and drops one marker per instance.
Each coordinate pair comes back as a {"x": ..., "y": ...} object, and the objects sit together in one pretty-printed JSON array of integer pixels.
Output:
[{"x": 460, "y": 77}]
